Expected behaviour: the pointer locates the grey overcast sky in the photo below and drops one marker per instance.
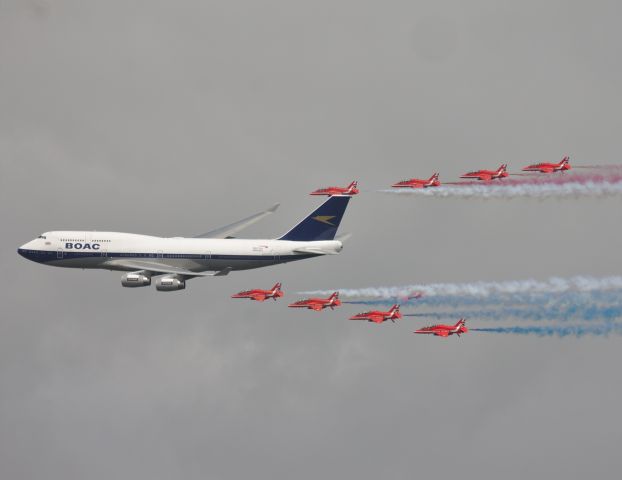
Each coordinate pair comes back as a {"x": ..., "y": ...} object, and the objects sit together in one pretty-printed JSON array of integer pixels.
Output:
[{"x": 173, "y": 117}]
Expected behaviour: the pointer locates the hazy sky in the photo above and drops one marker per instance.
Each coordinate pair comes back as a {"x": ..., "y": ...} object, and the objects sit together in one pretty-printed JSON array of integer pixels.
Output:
[{"x": 173, "y": 118}]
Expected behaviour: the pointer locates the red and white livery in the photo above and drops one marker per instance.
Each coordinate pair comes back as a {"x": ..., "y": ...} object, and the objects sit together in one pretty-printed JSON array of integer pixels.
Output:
[
  {"x": 549, "y": 167},
  {"x": 445, "y": 330},
  {"x": 487, "y": 175},
  {"x": 379, "y": 317},
  {"x": 330, "y": 191},
  {"x": 260, "y": 295},
  {"x": 318, "y": 304},
  {"x": 433, "y": 181}
]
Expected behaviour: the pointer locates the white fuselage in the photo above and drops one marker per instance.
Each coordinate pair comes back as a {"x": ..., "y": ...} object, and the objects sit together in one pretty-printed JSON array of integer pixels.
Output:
[{"x": 108, "y": 250}]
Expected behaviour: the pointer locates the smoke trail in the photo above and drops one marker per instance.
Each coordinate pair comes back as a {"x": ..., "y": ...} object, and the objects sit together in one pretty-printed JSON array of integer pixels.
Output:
[
  {"x": 482, "y": 289},
  {"x": 559, "y": 331},
  {"x": 610, "y": 176},
  {"x": 539, "y": 190},
  {"x": 540, "y": 300},
  {"x": 585, "y": 313}
]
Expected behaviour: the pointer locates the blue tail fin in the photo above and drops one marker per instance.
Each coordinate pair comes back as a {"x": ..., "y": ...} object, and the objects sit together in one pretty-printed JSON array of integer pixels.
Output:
[{"x": 322, "y": 223}]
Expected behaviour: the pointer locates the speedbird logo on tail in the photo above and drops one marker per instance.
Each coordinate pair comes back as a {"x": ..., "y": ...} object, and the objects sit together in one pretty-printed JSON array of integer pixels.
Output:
[{"x": 324, "y": 219}]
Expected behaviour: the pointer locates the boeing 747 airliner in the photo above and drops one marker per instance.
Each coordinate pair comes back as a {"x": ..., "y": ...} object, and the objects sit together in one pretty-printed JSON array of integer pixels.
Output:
[{"x": 175, "y": 260}]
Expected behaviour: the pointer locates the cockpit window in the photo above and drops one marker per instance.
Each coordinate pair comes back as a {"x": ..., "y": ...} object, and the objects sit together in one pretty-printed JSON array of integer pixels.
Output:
[{"x": 43, "y": 237}]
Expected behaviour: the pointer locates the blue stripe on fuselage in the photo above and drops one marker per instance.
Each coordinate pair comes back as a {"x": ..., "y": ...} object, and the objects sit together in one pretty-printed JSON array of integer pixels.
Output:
[{"x": 45, "y": 256}]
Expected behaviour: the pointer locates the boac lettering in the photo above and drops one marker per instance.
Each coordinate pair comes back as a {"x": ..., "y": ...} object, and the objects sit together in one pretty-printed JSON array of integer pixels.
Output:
[{"x": 81, "y": 246}]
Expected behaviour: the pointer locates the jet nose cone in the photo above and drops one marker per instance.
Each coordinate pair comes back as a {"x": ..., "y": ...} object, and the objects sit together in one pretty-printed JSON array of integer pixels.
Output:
[{"x": 21, "y": 251}]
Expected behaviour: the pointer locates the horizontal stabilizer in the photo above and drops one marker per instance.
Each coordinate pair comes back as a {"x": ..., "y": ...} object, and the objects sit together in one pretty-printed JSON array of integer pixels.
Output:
[
  {"x": 316, "y": 250},
  {"x": 343, "y": 237}
]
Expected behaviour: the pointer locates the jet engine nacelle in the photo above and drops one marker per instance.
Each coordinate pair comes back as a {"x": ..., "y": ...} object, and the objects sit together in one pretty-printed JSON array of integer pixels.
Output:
[
  {"x": 135, "y": 280},
  {"x": 169, "y": 284}
]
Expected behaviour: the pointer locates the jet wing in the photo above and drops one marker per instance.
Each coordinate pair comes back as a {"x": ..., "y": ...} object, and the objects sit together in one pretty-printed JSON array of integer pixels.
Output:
[
  {"x": 156, "y": 267},
  {"x": 231, "y": 229}
]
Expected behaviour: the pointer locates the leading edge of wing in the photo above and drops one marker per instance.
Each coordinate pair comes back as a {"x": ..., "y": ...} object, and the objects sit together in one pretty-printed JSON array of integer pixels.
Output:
[
  {"x": 229, "y": 230},
  {"x": 156, "y": 267}
]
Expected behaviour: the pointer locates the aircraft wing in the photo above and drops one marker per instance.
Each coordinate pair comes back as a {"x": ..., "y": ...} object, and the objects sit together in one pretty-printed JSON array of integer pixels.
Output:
[
  {"x": 231, "y": 229},
  {"x": 156, "y": 267}
]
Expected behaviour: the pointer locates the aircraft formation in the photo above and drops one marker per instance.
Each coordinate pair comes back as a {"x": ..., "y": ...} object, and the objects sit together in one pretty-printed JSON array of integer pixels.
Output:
[
  {"x": 487, "y": 175},
  {"x": 174, "y": 260},
  {"x": 374, "y": 316}
]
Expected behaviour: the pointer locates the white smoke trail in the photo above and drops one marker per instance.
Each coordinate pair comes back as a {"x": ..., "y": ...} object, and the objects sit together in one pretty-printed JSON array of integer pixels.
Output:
[
  {"x": 483, "y": 289},
  {"x": 542, "y": 190}
]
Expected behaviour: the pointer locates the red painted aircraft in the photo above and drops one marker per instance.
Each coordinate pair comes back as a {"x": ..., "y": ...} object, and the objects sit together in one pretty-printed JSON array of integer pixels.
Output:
[
  {"x": 445, "y": 330},
  {"x": 330, "y": 191},
  {"x": 318, "y": 304},
  {"x": 487, "y": 175},
  {"x": 549, "y": 167},
  {"x": 261, "y": 295},
  {"x": 379, "y": 317},
  {"x": 433, "y": 181}
]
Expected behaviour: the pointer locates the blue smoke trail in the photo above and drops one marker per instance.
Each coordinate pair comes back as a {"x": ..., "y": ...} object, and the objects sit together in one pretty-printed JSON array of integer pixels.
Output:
[
  {"x": 559, "y": 331},
  {"x": 586, "y": 313}
]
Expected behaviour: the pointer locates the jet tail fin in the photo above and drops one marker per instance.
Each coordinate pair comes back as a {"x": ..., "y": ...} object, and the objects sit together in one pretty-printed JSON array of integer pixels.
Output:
[{"x": 322, "y": 223}]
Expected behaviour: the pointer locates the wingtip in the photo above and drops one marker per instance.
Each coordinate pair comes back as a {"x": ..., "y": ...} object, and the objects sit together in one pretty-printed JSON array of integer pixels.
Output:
[{"x": 273, "y": 208}]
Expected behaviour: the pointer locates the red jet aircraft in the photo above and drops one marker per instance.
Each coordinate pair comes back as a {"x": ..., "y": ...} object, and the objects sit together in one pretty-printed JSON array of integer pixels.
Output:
[
  {"x": 330, "y": 191},
  {"x": 433, "y": 181},
  {"x": 261, "y": 295},
  {"x": 318, "y": 304},
  {"x": 379, "y": 317},
  {"x": 487, "y": 175},
  {"x": 549, "y": 167},
  {"x": 445, "y": 330}
]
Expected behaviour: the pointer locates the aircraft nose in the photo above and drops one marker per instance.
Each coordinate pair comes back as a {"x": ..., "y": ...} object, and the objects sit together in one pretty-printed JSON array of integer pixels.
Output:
[{"x": 25, "y": 249}]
